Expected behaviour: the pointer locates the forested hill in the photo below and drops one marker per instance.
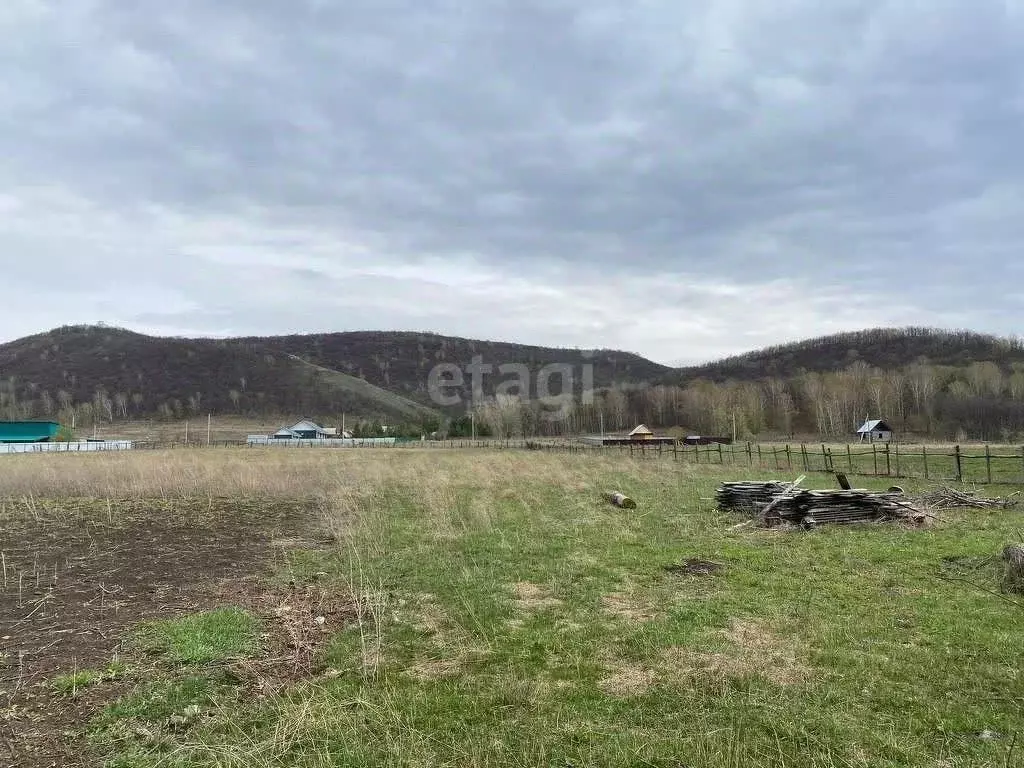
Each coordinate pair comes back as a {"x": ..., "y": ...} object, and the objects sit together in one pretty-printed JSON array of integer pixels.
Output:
[
  {"x": 936, "y": 383},
  {"x": 883, "y": 348},
  {"x": 121, "y": 374}
]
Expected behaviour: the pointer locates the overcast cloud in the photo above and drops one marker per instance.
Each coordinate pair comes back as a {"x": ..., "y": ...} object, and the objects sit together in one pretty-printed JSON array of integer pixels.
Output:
[{"x": 681, "y": 179}]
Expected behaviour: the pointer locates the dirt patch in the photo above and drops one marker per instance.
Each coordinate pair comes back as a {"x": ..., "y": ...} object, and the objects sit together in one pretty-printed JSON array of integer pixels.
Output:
[
  {"x": 626, "y": 606},
  {"x": 300, "y": 622},
  {"x": 534, "y": 597},
  {"x": 78, "y": 577},
  {"x": 754, "y": 649},
  {"x": 695, "y": 567}
]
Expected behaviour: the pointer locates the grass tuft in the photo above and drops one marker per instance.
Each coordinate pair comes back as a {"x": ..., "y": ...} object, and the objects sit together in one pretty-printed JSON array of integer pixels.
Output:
[{"x": 223, "y": 634}]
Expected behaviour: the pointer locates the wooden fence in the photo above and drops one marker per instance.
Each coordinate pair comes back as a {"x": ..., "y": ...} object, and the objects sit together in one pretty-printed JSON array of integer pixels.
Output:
[{"x": 980, "y": 464}]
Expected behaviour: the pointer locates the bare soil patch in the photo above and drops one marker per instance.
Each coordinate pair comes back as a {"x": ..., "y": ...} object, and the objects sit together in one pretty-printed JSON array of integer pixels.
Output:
[{"x": 80, "y": 574}]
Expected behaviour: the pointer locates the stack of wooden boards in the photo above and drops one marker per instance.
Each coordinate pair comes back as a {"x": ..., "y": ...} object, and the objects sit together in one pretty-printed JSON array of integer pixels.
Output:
[
  {"x": 749, "y": 495},
  {"x": 776, "y": 503}
]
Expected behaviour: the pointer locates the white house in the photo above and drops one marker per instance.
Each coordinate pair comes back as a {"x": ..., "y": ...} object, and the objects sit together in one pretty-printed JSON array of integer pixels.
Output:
[{"x": 875, "y": 431}]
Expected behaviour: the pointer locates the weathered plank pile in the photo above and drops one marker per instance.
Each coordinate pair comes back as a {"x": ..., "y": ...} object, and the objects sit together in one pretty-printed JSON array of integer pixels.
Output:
[
  {"x": 811, "y": 508},
  {"x": 777, "y": 504},
  {"x": 749, "y": 495}
]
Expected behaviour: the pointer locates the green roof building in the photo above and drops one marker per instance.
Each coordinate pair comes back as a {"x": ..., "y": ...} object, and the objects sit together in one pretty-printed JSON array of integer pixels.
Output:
[{"x": 28, "y": 431}]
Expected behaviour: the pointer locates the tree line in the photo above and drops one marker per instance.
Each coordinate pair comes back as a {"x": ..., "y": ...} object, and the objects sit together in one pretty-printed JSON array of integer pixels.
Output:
[{"x": 982, "y": 400}]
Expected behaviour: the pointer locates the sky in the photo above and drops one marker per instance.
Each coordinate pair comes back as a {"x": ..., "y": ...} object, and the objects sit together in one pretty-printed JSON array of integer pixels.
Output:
[{"x": 684, "y": 179}]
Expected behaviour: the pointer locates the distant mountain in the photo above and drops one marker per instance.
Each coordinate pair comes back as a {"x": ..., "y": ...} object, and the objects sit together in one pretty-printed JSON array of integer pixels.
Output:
[
  {"x": 372, "y": 375},
  {"x": 888, "y": 349}
]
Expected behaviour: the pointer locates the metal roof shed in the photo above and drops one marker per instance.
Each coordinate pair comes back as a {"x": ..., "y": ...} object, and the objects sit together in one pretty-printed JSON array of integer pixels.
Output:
[
  {"x": 28, "y": 431},
  {"x": 875, "y": 429}
]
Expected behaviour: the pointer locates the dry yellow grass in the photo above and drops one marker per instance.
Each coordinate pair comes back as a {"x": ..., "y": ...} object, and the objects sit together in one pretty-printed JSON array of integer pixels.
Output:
[
  {"x": 302, "y": 473},
  {"x": 753, "y": 649}
]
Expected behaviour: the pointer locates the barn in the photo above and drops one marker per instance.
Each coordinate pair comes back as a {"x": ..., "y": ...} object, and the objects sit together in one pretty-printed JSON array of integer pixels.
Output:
[
  {"x": 28, "y": 431},
  {"x": 875, "y": 431}
]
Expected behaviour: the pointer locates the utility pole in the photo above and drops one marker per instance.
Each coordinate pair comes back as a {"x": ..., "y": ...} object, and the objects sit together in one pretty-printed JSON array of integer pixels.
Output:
[
  {"x": 209, "y": 426},
  {"x": 601, "y": 414},
  {"x": 472, "y": 422}
]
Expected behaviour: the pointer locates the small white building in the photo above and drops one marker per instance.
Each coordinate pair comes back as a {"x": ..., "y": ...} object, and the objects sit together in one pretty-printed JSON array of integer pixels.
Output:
[{"x": 875, "y": 431}]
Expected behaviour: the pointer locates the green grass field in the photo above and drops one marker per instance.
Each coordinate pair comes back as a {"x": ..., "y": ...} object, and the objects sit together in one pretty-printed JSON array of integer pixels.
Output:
[{"x": 504, "y": 615}]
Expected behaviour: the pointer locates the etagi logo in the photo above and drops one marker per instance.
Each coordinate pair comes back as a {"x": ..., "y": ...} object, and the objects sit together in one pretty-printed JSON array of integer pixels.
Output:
[{"x": 447, "y": 384}]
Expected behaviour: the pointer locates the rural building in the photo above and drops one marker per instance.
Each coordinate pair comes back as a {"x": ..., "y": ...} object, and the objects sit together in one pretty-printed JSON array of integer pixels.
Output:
[
  {"x": 642, "y": 432},
  {"x": 875, "y": 431},
  {"x": 28, "y": 431},
  {"x": 642, "y": 435},
  {"x": 303, "y": 430}
]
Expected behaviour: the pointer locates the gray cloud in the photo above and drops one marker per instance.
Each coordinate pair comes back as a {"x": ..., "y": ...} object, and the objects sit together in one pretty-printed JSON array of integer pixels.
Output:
[{"x": 522, "y": 170}]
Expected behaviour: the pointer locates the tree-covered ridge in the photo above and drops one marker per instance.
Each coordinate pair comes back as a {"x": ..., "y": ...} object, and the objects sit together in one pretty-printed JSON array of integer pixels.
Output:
[{"x": 932, "y": 383}]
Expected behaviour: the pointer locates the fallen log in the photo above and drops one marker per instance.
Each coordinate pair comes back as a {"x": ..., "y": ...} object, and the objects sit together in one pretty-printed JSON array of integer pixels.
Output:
[{"x": 620, "y": 500}]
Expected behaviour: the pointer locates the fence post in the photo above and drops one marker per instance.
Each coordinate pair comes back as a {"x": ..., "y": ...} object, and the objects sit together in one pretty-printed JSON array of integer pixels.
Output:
[
  {"x": 959, "y": 466},
  {"x": 803, "y": 452},
  {"x": 898, "y": 460},
  {"x": 789, "y": 457},
  {"x": 888, "y": 463},
  {"x": 720, "y": 461},
  {"x": 750, "y": 454},
  {"x": 924, "y": 455},
  {"x": 824, "y": 458},
  {"x": 760, "y": 461},
  {"x": 775, "y": 455},
  {"x": 874, "y": 456},
  {"x": 849, "y": 458},
  {"x": 988, "y": 463}
]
